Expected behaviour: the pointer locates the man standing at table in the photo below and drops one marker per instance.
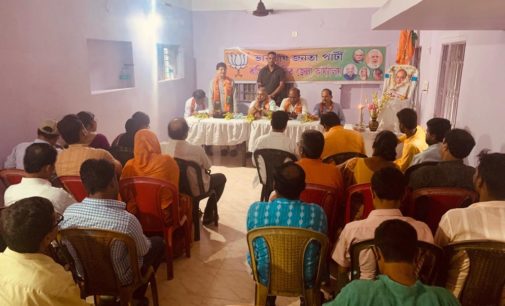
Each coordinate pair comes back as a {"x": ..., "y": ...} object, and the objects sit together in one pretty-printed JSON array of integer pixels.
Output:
[
  {"x": 223, "y": 97},
  {"x": 327, "y": 105},
  {"x": 262, "y": 105},
  {"x": 272, "y": 77},
  {"x": 293, "y": 104}
]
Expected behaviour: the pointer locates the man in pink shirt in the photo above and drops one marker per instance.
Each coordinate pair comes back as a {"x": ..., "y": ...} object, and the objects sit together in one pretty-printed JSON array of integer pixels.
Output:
[{"x": 388, "y": 187}]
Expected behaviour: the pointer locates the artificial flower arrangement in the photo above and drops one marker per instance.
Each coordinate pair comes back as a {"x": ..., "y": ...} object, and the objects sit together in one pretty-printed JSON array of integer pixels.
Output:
[{"x": 377, "y": 105}]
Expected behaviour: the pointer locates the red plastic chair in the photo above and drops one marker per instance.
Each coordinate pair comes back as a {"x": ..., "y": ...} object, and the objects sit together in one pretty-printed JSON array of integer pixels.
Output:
[
  {"x": 329, "y": 199},
  {"x": 430, "y": 204},
  {"x": 357, "y": 195},
  {"x": 145, "y": 193},
  {"x": 11, "y": 176},
  {"x": 73, "y": 184}
]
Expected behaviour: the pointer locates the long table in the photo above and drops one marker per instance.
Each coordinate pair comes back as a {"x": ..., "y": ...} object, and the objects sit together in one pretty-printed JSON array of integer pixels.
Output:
[{"x": 223, "y": 132}]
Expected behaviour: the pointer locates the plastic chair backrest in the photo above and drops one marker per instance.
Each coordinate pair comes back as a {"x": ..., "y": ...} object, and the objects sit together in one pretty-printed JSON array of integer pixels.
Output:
[
  {"x": 339, "y": 158},
  {"x": 11, "y": 176},
  {"x": 486, "y": 276},
  {"x": 73, "y": 184},
  {"x": 428, "y": 260},
  {"x": 359, "y": 197},
  {"x": 430, "y": 204},
  {"x": 93, "y": 250},
  {"x": 190, "y": 169},
  {"x": 286, "y": 248},
  {"x": 146, "y": 193},
  {"x": 329, "y": 199},
  {"x": 267, "y": 160}
]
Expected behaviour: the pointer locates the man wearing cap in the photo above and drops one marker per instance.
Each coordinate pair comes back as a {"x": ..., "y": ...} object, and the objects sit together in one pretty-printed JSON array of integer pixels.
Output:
[{"x": 46, "y": 133}]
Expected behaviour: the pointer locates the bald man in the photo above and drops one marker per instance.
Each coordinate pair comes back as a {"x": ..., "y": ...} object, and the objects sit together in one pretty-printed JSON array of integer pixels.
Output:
[{"x": 178, "y": 147}]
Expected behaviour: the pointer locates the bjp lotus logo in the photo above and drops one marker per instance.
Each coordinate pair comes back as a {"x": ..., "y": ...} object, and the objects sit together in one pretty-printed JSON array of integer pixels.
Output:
[{"x": 237, "y": 61}]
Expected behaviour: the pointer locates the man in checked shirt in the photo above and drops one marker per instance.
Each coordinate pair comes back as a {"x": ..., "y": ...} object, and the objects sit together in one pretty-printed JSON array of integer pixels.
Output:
[{"x": 101, "y": 210}]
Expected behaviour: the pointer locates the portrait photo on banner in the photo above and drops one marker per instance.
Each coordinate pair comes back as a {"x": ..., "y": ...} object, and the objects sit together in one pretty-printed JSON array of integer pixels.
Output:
[{"x": 349, "y": 64}]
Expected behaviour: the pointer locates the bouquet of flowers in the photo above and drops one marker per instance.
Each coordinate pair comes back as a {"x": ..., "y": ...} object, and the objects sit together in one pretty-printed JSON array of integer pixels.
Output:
[{"x": 377, "y": 105}]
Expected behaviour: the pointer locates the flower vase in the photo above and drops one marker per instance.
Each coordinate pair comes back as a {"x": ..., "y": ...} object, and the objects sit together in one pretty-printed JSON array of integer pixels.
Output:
[{"x": 373, "y": 125}]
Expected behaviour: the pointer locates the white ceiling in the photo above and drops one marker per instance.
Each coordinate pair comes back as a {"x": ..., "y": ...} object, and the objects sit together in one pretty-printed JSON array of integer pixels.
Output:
[
  {"x": 440, "y": 15},
  {"x": 225, "y": 5}
]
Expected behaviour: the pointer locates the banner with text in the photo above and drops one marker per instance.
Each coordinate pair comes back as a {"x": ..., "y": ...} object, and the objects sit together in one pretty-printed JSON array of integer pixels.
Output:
[{"x": 356, "y": 64}]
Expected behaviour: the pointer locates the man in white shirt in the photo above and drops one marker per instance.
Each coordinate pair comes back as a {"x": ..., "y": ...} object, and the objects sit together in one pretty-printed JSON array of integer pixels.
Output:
[
  {"x": 196, "y": 104},
  {"x": 293, "y": 104},
  {"x": 276, "y": 139},
  {"x": 388, "y": 187},
  {"x": 46, "y": 133},
  {"x": 178, "y": 147},
  {"x": 39, "y": 165},
  {"x": 435, "y": 133},
  {"x": 482, "y": 220}
]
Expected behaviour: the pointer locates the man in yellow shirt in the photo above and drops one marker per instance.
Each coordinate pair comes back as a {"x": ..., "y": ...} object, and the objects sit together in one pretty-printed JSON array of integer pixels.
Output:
[
  {"x": 414, "y": 140},
  {"x": 27, "y": 275},
  {"x": 337, "y": 139}
]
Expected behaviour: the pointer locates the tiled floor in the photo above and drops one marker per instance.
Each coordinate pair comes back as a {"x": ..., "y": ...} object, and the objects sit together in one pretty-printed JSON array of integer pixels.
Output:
[{"x": 217, "y": 272}]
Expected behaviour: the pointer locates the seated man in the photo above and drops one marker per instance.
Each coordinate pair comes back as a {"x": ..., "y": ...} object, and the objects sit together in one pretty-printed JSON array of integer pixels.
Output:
[
  {"x": 316, "y": 172},
  {"x": 39, "y": 166},
  {"x": 435, "y": 133},
  {"x": 396, "y": 251},
  {"x": 482, "y": 220},
  {"x": 180, "y": 148},
  {"x": 388, "y": 188},
  {"x": 451, "y": 172},
  {"x": 276, "y": 139},
  {"x": 28, "y": 276},
  {"x": 101, "y": 210},
  {"x": 262, "y": 105},
  {"x": 337, "y": 139},
  {"x": 196, "y": 104},
  {"x": 414, "y": 140},
  {"x": 69, "y": 160},
  {"x": 293, "y": 104},
  {"x": 286, "y": 210},
  {"x": 46, "y": 133},
  {"x": 327, "y": 105}
]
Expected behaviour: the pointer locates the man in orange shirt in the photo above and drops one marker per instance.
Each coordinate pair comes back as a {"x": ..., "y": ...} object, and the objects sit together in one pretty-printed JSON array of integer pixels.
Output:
[
  {"x": 69, "y": 160},
  {"x": 337, "y": 139},
  {"x": 317, "y": 172}
]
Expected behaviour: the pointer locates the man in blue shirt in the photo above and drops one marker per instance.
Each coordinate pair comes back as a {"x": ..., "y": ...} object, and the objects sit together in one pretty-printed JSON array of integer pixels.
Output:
[
  {"x": 286, "y": 210},
  {"x": 395, "y": 250}
]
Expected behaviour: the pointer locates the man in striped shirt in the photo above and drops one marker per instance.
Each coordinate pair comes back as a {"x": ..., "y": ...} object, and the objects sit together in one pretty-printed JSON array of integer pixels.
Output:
[{"x": 101, "y": 210}]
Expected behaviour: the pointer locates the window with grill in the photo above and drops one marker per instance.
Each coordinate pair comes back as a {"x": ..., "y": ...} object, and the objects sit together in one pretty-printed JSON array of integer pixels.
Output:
[
  {"x": 449, "y": 81},
  {"x": 169, "y": 62}
]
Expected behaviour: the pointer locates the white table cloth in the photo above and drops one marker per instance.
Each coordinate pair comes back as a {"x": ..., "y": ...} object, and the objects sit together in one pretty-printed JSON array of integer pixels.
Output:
[
  {"x": 222, "y": 132},
  {"x": 217, "y": 132},
  {"x": 294, "y": 130}
]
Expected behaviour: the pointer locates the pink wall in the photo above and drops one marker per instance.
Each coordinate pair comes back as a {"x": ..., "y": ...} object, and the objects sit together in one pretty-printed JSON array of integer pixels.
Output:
[
  {"x": 215, "y": 31},
  {"x": 44, "y": 64},
  {"x": 481, "y": 101}
]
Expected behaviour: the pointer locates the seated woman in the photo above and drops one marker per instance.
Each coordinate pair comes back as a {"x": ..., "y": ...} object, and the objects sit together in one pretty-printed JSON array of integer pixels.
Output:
[
  {"x": 360, "y": 170},
  {"x": 149, "y": 162},
  {"x": 94, "y": 140}
]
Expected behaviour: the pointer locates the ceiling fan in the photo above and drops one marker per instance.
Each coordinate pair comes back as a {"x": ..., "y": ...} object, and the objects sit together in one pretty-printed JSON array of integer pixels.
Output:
[{"x": 261, "y": 10}]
